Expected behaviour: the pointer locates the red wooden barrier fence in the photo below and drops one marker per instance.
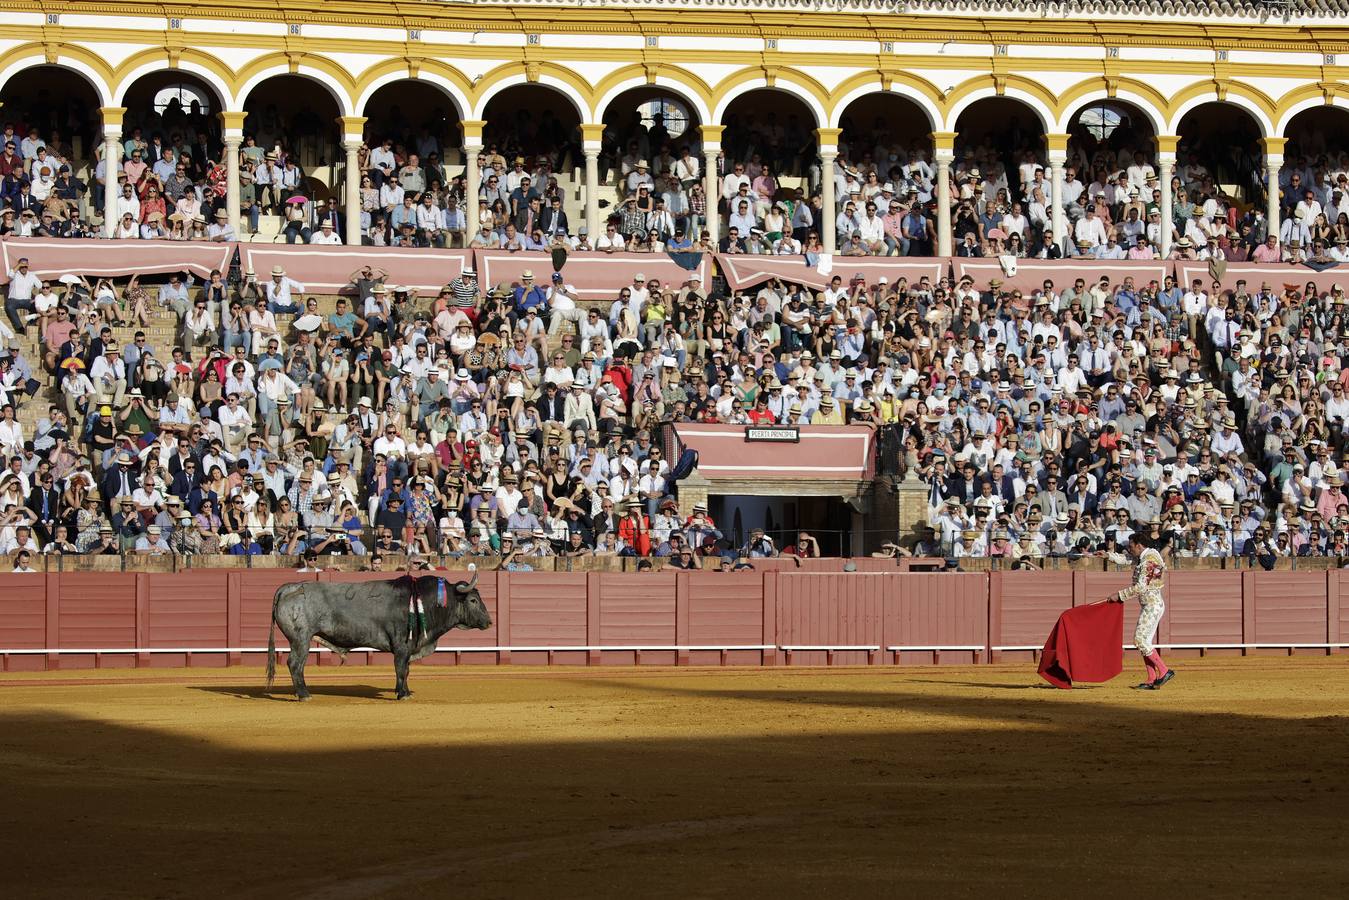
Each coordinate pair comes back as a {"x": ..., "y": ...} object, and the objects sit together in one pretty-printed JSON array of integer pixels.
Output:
[{"x": 221, "y": 618}]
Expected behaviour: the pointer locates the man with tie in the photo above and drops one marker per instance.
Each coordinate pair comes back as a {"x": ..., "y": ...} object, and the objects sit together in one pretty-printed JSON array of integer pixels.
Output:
[
  {"x": 45, "y": 504},
  {"x": 1052, "y": 500},
  {"x": 553, "y": 220},
  {"x": 1096, "y": 361},
  {"x": 120, "y": 480}
]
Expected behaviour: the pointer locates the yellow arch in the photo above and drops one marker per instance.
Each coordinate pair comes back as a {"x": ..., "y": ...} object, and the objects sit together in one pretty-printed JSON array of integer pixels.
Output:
[
  {"x": 15, "y": 59},
  {"x": 807, "y": 89},
  {"x": 573, "y": 87},
  {"x": 1019, "y": 84},
  {"x": 694, "y": 87},
  {"x": 1309, "y": 96},
  {"x": 159, "y": 55},
  {"x": 1206, "y": 91},
  {"x": 399, "y": 66},
  {"x": 924, "y": 89},
  {"x": 1071, "y": 99},
  {"x": 342, "y": 87}
]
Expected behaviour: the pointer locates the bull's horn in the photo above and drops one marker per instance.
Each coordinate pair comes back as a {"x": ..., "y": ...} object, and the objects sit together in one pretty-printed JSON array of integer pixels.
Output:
[{"x": 472, "y": 582}]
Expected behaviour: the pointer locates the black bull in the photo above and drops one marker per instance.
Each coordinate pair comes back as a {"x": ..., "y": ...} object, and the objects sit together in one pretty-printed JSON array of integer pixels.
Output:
[{"x": 370, "y": 614}]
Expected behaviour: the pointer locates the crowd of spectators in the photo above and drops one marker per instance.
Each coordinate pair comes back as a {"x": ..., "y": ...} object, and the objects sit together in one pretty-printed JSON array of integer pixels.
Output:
[
  {"x": 518, "y": 419},
  {"x": 170, "y": 183},
  {"x": 456, "y": 425}
]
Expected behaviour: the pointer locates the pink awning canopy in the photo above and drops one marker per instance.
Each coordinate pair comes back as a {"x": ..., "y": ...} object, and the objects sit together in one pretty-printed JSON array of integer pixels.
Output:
[
  {"x": 596, "y": 275},
  {"x": 54, "y": 257},
  {"x": 328, "y": 269},
  {"x": 823, "y": 453},
  {"x": 744, "y": 271},
  {"x": 1031, "y": 274}
]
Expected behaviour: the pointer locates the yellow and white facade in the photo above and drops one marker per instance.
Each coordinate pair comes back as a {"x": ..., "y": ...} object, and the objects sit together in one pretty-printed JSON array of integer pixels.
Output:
[{"x": 1272, "y": 61}]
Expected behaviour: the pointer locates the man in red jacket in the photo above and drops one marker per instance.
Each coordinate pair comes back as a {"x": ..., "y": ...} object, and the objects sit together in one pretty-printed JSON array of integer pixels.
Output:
[{"x": 634, "y": 528}]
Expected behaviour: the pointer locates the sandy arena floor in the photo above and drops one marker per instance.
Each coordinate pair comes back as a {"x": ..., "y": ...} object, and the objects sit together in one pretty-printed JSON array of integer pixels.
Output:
[{"x": 694, "y": 783}]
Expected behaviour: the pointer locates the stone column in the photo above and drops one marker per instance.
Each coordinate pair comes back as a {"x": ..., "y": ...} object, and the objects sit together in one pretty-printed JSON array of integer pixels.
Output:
[
  {"x": 1057, "y": 147},
  {"x": 112, "y": 156},
  {"x": 592, "y": 137},
  {"x": 1273, "y": 147},
  {"x": 828, "y": 138},
  {"x": 471, "y": 129},
  {"x": 232, "y": 133},
  {"x": 943, "y": 154},
  {"x": 353, "y": 130},
  {"x": 711, "y": 186},
  {"x": 1166, "y": 166},
  {"x": 912, "y": 496}
]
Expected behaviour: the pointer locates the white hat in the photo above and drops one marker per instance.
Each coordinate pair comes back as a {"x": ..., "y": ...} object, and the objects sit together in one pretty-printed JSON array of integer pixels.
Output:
[{"x": 278, "y": 270}]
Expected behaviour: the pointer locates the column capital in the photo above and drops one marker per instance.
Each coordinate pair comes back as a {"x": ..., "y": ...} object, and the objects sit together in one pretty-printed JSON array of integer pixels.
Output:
[
  {"x": 112, "y": 117},
  {"x": 471, "y": 129},
  {"x": 351, "y": 144},
  {"x": 944, "y": 140},
  {"x": 1273, "y": 147},
  {"x": 1057, "y": 142},
  {"x": 828, "y": 137},
  {"x": 353, "y": 127},
  {"x": 232, "y": 121},
  {"x": 711, "y": 133},
  {"x": 592, "y": 133},
  {"x": 1166, "y": 143}
]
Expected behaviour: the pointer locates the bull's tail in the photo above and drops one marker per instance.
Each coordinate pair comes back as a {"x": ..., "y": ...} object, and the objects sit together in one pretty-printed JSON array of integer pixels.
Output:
[{"x": 271, "y": 635}]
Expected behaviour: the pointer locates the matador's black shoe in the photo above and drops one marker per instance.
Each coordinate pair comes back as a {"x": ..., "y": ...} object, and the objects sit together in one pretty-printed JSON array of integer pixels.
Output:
[
  {"x": 1146, "y": 686},
  {"x": 1157, "y": 685}
]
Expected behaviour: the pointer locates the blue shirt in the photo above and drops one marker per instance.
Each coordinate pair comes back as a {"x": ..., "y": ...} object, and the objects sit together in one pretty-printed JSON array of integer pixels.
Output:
[
  {"x": 527, "y": 300},
  {"x": 345, "y": 323}
]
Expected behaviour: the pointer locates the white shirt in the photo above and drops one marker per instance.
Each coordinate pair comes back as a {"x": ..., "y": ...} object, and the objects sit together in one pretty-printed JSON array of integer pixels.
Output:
[
  {"x": 274, "y": 387},
  {"x": 730, "y": 185},
  {"x": 11, "y": 437},
  {"x": 1091, "y": 230},
  {"x": 234, "y": 418},
  {"x": 558, "y": 296},
  {"x": 22, "y": 285},
  {"x": 280, "y": 291},
  {"x": 394, "y": 448}
]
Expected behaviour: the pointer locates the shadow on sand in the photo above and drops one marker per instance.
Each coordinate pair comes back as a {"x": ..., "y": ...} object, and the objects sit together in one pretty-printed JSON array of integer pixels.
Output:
[
  {"x": 786, "y": 792},
  {"x": 286, "y": 692}
]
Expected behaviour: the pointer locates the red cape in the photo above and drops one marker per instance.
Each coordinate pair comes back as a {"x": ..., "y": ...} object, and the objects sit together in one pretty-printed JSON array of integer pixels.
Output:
[{"x": 1085, "y": 645}]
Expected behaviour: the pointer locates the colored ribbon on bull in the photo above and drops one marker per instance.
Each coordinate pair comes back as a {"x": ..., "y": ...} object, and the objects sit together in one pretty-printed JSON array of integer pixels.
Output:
[
  {"x": 416, "y": 618},
  {"x": 442, "y": 597}
]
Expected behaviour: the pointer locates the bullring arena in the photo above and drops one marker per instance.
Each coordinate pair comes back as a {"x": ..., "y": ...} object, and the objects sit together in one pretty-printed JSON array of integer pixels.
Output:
[
  {"x": 800, "y": 378},
  {"x": 790, "y": 771}
]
